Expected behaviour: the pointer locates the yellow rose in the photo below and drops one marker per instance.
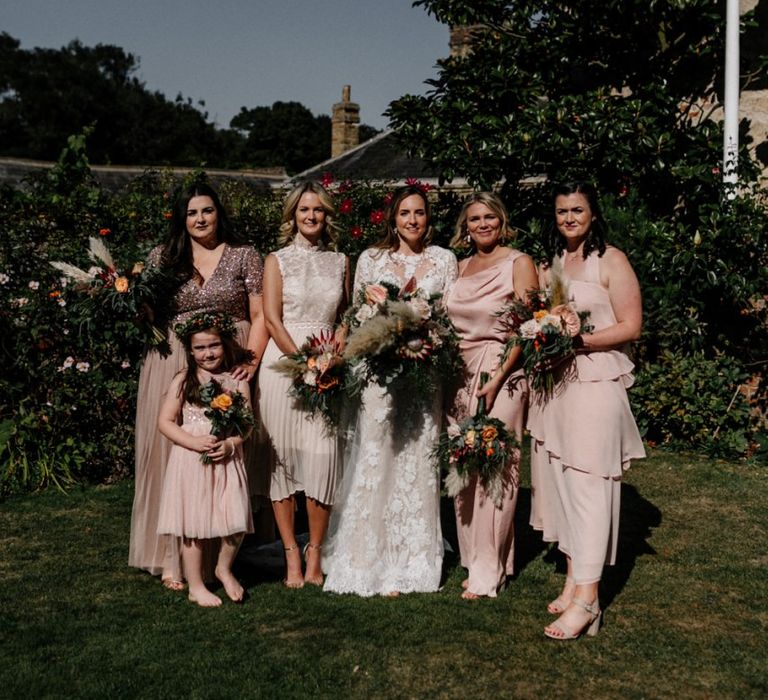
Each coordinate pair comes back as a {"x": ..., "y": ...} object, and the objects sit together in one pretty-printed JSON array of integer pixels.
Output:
[
  {"x": 121, "y": 285},
  {"x": 538, "y": 315},
  {"x": 138, "y": 268},
  {"x": 222, "y": 402},
  {"x": 489, "y": 433},
  {"x": 469, "y": 438}
]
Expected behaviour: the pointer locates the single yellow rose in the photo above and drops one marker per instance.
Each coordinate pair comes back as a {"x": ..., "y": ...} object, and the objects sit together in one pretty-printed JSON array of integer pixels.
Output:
[
  {"x": 538, "y": 315},
  {"x": 138, "y": 268},
  {"x": 469, "y": 438},
  {"x": 121, "y": 285},
  {"x": 222, "y": 402},
  {"x": 489, "y": 433}
]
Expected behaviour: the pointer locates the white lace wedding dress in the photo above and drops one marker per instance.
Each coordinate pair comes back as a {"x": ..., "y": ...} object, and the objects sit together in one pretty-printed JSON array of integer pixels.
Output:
[{"x": 385, "y": 534}]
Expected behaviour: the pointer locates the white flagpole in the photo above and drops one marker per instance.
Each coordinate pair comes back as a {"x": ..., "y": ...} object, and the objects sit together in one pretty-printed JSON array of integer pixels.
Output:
[{"x": 731, "y": 124}]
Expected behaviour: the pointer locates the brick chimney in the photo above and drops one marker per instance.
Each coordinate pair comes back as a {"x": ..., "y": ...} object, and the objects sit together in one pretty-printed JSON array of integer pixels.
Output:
[{"x": 344, "y": 123}]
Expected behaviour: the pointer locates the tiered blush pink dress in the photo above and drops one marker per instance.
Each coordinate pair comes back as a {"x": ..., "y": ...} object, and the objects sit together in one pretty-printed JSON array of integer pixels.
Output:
[
  {"x": 583, "y": 438},
  {"x": 486, "y": 532},
  {"x": 199, "y": 500},
  {"x": 304, "y": 454},
  {"x": 238, "y": 275}
]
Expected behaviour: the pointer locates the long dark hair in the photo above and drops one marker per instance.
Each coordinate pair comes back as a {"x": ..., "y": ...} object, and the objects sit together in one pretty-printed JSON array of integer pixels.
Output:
[
  {"x": 234, "y": 354},
  {"x": 390, "y": 239},
  {"x": 554, "y": 243},
  {"x": 177, "y": 251}
]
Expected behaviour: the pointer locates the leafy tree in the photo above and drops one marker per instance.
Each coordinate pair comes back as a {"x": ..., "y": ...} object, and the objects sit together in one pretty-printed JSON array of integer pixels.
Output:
[
  {"x": 288, "y": 134},
  {"x": 47, "y": 94},
  {"x": 619, "y": 90}
]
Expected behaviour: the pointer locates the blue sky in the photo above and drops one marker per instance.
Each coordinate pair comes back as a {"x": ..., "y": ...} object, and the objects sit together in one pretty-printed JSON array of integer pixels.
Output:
[{"x": 235, "y": 53}]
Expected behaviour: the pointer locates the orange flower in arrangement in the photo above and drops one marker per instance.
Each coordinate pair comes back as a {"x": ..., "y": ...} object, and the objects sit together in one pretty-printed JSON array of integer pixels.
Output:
[
  {"x": 54, "y": 294},
  {"x": 104, "y": 231},
  {"x": 325, "y": 382},
  {"x": 121, "y": 285},
  {"x": 222, "y": 402},
  {"x": 489, "y": 433}
]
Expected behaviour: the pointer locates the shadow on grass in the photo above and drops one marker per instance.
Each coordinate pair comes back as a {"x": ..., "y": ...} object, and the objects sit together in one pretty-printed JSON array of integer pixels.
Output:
[{"x": 638, "y": 517}]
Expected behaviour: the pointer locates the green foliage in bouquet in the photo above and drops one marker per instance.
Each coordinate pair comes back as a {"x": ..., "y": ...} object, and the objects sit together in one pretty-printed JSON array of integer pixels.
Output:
[
  {"x": 478, "y": 446},
  {"x": 228, "y": 412}
]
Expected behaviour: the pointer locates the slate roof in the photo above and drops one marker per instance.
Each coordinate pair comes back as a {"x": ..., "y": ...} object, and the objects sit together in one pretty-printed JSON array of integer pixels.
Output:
[{"x": 379, "y": 158}]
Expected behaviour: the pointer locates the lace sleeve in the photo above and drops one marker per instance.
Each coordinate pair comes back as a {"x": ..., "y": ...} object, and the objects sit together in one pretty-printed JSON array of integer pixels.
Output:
[
  {"x": 451, "y": 270},
  {"x": 363, "y": 272},
  {"x": 253, "y": 269}
]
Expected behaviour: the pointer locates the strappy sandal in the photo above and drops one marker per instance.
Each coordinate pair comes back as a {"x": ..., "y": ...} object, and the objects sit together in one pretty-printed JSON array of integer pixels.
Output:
[
  {"x": 559, "y": 604},
  {"x": 286, "y": 583},
  {"x": 590, "y": 628},
  {"x": 316, "y": 548}
]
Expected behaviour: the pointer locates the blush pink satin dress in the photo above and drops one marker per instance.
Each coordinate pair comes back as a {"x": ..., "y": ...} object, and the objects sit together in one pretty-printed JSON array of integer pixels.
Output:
[{"x": 485, "y": 532}]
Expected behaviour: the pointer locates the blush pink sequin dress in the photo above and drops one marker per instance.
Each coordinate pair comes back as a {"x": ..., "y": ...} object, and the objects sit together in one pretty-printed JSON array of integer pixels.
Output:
[{"x": 238, "y": 274}]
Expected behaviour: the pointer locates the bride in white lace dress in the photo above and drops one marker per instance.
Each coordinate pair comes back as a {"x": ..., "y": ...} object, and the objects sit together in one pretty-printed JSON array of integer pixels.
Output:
[
  {"x": 385, "y": 535},
  {"x": 305, "y": 291}
]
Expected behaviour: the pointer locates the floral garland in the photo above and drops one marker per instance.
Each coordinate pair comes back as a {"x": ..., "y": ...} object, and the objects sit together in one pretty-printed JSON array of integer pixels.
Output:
[{"x": 203, "y": 321}]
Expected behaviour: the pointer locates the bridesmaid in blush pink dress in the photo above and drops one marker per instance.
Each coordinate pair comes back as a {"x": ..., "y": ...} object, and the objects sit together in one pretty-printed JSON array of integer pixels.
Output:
[
  {"x": 487, "y": 281},
  {"x": 584, "y": 435}
]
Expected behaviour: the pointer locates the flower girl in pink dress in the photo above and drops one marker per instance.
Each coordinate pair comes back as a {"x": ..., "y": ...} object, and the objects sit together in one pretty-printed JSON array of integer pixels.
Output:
[{"x": 205, "y": 490}]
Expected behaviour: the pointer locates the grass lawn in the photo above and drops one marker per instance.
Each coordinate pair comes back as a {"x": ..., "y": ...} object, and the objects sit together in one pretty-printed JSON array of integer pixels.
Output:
[{"x": 687, "y": 611}]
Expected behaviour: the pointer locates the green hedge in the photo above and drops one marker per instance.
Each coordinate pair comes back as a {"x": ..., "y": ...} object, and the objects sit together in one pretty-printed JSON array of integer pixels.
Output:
[{"x": 68, "y": 386}]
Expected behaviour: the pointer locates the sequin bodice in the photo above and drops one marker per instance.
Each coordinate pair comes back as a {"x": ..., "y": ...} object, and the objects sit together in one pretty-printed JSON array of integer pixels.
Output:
[{"x": 238, "y": 274}]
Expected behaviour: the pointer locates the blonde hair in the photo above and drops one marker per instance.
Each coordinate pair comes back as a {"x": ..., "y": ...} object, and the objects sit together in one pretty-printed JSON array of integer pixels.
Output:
[
  {"x": 494, "y": 203},
  {"x": 390, "y": 240},
  {"x": 288, "y": 228}
]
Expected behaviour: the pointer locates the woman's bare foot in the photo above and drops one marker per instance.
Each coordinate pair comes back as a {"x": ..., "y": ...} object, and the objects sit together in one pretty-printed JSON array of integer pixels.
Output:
[
  {"x": 173, "y": 585},
  {"x": 313, "y": 573},
  {"x": 204, "y": 598},
  {"x": 293, "y": 577},
  {"x": 231, "y": 585},
  {"x": 465, "y": 584},
  {"x": 559, "y": 604},
  {"x": 392, "y": 594},
  {"x": 468, "y": 595}
]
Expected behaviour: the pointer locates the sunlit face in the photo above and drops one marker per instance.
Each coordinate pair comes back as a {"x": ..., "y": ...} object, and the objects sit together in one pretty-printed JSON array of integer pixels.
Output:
[
  {"x": 411, "y": 220},
  {"x": 207, "y": 350},
  {"x": 310, "y": 216},
  {"x": 573, "y": 216},
  {"x": 483, "y": 226},
  {"x": 202, "y": 219}
]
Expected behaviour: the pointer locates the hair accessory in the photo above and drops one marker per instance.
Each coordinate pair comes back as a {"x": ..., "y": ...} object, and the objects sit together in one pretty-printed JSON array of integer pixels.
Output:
[{"x": 222, "y": 322}]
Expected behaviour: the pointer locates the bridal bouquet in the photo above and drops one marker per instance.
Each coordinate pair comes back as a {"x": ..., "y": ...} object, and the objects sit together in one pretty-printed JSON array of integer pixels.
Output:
[
  {"x": 479, "y": 445},
  {"x": 544, "y": 326},
  {"x": 128, "y": 293},
  {"x": 317, "y": 372},
  {"x": 402, "y": 335},
  {"x": 228, "y": 412}
]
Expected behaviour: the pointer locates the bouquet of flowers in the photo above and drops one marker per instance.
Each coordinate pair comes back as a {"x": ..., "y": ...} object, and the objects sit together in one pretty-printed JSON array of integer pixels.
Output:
[
  {"x": 544, "y": 326},
  {"x": 227, "y": 410},
  {"x": 317, "y": 373},
  {"x": 128, "y": 293},
  {"x": 479, "y": 445},
  {"x": 402, "y": 335}
]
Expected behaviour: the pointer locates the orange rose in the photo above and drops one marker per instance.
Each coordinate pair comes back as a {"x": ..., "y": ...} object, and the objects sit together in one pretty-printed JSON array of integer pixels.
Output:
[
  {"x": 121, "y": 285},
  {"x": 489, "y": 433},
  {"x": 222, "y": 402}
]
